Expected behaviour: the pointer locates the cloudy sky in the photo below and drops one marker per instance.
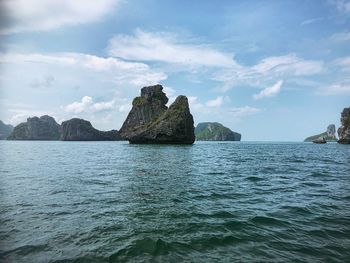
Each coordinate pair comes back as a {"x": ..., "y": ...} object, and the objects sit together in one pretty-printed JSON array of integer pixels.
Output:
[{"x": 271, "y": 70}]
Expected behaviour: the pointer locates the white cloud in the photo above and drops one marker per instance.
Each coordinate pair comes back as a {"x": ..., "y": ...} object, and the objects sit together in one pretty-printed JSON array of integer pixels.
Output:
[
  {"x": 110, "y": 82},
  {"x": 270, "y": 91},
  {"x": 311, "y": 21},
  {"x": 131, "y": 73},
  {"x": 215, "y": 102},
  {"x": 44, "y": 82},
  {"x": 344, "y": 63},
  {"x": 194, "y": 103},
  {"x": 166, "y": 47},
  {"x": 21, "y": 115},
  {"x": 88, "y": 105},
  {"x": 38, "y": 15},
  {"x": 290, "y": 64},
  {"x": 78, "y": 107},
  {"x": 125, "y": 107},
  {"x": 267, "y": 70},
  {"x": 100, "y": 106},
  {"x": 342, "y": 88},
  {"x": 342, "y": 5},
  {"x": 243, "y": 111},
  {"x": 341, "y": 37}
]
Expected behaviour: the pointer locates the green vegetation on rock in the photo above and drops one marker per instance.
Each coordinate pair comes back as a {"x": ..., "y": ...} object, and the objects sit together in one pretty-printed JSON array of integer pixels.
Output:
[
  {"x": 151, "y": 121},
  {"x": 214, "y": 131},
  {"x": 328, "y": 135},
  {"x": 138, "y": 101}
]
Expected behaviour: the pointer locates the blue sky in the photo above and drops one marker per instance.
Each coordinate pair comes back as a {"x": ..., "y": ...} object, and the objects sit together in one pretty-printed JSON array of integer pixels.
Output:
[{"x": 271, "y": 70}]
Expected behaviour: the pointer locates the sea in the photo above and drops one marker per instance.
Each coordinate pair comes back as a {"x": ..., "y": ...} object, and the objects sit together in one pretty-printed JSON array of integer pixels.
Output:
[{"x": 207, "y": 202}]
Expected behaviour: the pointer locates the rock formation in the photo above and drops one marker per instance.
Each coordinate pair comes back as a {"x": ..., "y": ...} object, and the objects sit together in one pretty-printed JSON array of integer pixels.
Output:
[
  {"x": 151, "y": 121},
  {"x": 5, "y": 130},
  {"x": 328, "y": 135},
  {"x": 43, "y": 128},
  {"x": 82, "y": 130},
  {"x": 214, "y": 131},
  {"x": 344, "y": 130}
]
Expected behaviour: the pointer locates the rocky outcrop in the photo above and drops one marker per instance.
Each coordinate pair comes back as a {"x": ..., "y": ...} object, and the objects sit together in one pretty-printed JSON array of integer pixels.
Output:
[
  {"x": 43, "y": 128},
  {"x": 5, "y": 130},
  {"x": 214, "y": 131},
  {"x": 328, "y": 135},
  {"x": 81, "y": 130},
  {"x": 344, "y": 130},
  {"x": 151, "y": 121}
]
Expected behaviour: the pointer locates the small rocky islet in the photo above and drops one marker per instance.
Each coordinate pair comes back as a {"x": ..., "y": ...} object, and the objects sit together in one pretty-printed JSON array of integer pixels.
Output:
[
  {"x": 43, "y": 128},
  {"x": 214, "y": 131},
  {"x": 81, "y": 130},
  {"x": 328, "y": 135},
  {"x": 149, "y": 121}
]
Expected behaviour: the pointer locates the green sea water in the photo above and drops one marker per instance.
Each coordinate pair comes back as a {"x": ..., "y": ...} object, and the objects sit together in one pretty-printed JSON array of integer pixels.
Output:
[{"x": 209, "y": 202}]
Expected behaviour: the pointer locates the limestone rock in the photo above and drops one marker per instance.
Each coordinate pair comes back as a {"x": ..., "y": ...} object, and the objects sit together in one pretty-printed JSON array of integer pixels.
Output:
[
  {"x": 328, "y": 135},
  {"x": 151, "y": 121},
  {"x": 81, "y": 130},
  {"x": 214, "y": 131},
  {"x": 5, "y": 130},
  {"x": 344, "y": 130},
  {"x": 43, "y": 128}
]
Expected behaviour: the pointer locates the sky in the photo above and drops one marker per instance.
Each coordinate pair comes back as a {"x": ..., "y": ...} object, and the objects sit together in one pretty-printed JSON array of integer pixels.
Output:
[{"x": 270, "y": 70}]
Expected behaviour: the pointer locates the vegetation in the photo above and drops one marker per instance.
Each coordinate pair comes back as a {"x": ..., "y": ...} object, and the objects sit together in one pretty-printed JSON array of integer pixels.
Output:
[
  {"x": 320, "y": 136},
  {"x": 138, "y": 101},
  {"x": 215, "y": 132}
]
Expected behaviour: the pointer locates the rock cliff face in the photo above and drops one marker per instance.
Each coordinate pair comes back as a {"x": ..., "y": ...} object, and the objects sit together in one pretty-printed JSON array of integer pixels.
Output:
[
  {"x": 82, "y": 130},
  {"x": 344, "y": 130},
  {"x": 328, "y": 135},
  {"x": 5, "y": 130},
  {"x": 151, "y": 121},
  {"x": 214, "y": 131},
  {"x": 43, "y": 128}
]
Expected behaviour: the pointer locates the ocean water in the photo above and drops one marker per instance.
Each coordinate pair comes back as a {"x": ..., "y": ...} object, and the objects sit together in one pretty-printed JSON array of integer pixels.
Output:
[{"x": 209, "y": 202}]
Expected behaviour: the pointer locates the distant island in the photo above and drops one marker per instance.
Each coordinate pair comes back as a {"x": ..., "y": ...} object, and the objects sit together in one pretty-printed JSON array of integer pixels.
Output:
[
  {"x": 149, "y": 121},
  {"x": 5, "y": 130},
  {"x": 214, "y": 131},
  {"x": 328, "y": 135}
]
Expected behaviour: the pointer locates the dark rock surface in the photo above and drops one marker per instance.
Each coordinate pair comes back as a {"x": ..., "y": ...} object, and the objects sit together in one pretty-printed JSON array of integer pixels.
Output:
[
  {"x": 328, "y": 135},
  {"x": 81, "y": 130},
  {"x": 43, "y": 128},
  {"x": 5, "y": 130},
  {"x": 151, "y": 121},
  {"x": 214, "y": 131},
  {"x": 344, "y": 130}
]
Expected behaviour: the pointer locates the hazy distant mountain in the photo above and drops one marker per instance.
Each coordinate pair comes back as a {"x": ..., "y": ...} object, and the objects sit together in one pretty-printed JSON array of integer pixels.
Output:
[
  {"x": 328, "y": 135},
  {"x": 214, "y": 131},
  {"x": 5, "y": 130},
  {"x": 43, "y": 128}
]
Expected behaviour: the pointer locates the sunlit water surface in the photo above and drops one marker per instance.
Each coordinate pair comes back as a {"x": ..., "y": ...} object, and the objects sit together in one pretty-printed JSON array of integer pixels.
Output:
[{"x": 210, "y": 202}]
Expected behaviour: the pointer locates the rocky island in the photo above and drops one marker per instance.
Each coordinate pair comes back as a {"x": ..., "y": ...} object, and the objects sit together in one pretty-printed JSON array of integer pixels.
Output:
[
  {"x": 46, "y": 128},
  {"x": 5, "y": 130},
  {"x": 151, "y": 121},
  {"x": 328, "y": 135},
  {"x": 344, "y": 130},
  {"x": 81, "y": 130},
  {"x": 214, "y": 131},
  {"x": 43, "y": 128}
]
